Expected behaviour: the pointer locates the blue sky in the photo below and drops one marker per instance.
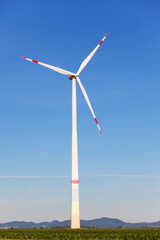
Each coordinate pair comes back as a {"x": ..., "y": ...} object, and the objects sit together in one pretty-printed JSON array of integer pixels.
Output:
[{"x": 123, "y": 84}]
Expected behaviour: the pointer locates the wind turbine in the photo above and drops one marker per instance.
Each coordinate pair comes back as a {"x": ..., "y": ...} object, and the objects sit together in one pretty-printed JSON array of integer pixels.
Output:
[{"x": 75, "y": 214}]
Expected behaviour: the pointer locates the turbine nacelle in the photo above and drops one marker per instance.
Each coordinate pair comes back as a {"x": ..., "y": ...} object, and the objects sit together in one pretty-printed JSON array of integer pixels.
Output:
[{"x": 72, "y": 77}]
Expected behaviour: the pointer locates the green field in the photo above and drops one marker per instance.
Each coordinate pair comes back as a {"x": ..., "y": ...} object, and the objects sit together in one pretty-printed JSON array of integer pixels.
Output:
[{"x": 59, "y": 234}]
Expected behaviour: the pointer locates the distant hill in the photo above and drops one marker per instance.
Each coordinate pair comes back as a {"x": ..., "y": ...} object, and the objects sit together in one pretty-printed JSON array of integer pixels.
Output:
[{"x": 97, "y": 223}]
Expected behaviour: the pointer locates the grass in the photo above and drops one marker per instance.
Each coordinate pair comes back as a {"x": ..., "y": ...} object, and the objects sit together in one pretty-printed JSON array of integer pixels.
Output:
[{"x": 80, "y": 234}]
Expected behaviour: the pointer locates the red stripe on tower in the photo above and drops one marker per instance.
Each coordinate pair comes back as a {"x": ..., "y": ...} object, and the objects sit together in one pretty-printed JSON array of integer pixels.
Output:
[
  {"x": 34, "y": 61},
  {"x": 75, "y": 181},
  {"x": 96, "y": 120}
]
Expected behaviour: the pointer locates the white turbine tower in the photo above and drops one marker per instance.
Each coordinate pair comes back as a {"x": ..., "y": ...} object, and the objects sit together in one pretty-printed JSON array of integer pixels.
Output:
[{"x": 75, "y": 214}]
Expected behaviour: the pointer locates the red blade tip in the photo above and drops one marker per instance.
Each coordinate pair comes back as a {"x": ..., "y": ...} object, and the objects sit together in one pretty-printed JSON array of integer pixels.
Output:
[
  {"x": 101, "y": 133},
  {"x": 106, "y": 34},
  {"x": 22, "y": 57}
]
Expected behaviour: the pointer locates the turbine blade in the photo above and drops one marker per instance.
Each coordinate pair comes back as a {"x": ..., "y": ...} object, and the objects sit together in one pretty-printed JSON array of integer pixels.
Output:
[
  {"x": 60, "y": 70},
  {"x": 88, "y": 102},
  {"x": 84, "y": 63}
]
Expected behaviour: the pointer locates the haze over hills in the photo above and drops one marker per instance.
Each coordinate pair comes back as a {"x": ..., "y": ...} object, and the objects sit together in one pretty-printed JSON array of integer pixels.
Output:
[{"x": 97, "y": 223}]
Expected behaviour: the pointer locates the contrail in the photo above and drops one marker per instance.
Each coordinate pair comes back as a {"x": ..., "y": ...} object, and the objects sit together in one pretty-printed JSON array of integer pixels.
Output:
[
  {"x": 34, "y": 176},
  {"x": 87, "y": 175},
  {"x": 122, "y": 175}
]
